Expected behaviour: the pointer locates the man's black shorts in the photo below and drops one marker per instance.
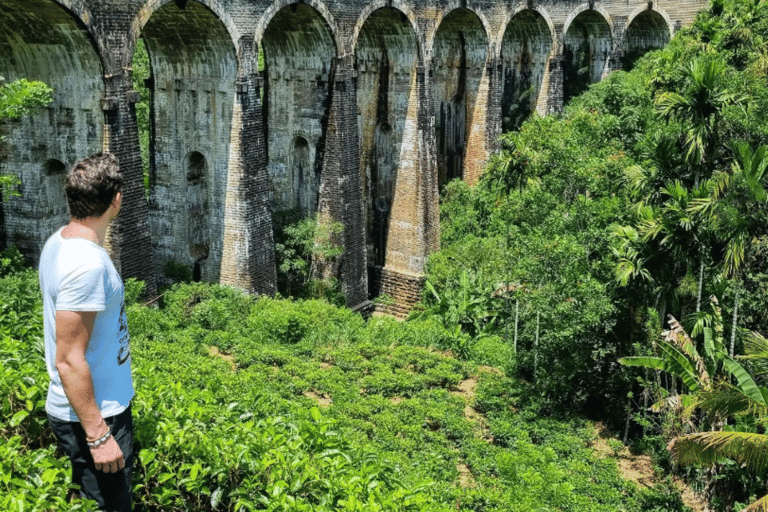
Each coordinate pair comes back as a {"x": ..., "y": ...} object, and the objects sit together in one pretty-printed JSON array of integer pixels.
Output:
[{"x": 112, "y": 491}]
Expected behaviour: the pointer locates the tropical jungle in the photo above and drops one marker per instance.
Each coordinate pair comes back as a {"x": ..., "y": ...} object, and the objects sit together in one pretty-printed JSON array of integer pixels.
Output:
[{"x": 598, "y": 305}]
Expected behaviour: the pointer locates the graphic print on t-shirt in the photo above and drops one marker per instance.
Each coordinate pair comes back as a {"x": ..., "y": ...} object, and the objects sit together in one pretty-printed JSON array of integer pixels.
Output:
[{"x": 125, "y": 349}]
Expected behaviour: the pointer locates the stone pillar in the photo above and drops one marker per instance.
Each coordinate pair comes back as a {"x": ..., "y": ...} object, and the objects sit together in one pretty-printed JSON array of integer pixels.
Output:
[
  {"x": 248, "y": 261},
  {"x": 495, "y": 71},
  {"x": 129, "y": 241},
  {"x": 414, "y": 229},
  {"x": 429, "y": 193},
  {"x": 618, "y": 31},
  {"x": 555, "y": 90},
  {"x": 481, "y": 131},
  {"x": 341, "y": 187}
]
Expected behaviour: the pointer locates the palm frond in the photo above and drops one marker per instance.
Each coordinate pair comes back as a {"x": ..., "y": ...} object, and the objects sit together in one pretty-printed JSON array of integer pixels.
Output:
[
  {"x": 726, "y": 400},
  {"x": 676, "y": 363},
  {"x": 709, "y": 447},
  {"x": 650, "y": 362},
  {"x": 756, "y": 348},
  {"x": 760, "y": 505}
]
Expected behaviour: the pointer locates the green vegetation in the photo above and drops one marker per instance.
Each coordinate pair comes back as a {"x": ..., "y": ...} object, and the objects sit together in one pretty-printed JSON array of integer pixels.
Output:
[
  {"x": 265, "y": 404},
  {"x": 554, "y": 298},
  {"x": 590, "y": 228},
  {"x": 142, "y": 71},
  {"x": 18, "y": 99}
]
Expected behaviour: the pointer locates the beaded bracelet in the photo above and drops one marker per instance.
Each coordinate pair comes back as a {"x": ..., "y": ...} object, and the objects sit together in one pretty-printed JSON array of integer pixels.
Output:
[{"x": 100, "y": 441}]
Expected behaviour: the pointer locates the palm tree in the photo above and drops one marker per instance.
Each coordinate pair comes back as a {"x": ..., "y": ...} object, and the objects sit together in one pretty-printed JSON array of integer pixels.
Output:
[
  {"x": 730, "y": 206},
  {"x": 699, "y": 109}
]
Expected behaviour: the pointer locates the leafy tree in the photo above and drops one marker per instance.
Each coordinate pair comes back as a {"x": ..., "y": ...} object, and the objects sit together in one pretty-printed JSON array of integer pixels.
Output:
[{"x": 142, "y": 71}]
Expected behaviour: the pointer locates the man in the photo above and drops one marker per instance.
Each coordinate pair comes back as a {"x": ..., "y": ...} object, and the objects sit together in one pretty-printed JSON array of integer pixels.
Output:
[{"x": 87, "y": 348}]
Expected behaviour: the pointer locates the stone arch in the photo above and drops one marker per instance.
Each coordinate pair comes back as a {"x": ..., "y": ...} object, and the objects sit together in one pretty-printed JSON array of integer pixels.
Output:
[
  {"x": 48, "y": 41},
  {"x": 587, "y": 46},
  {"x": 279, "y": 5},
  {"x": 397, "y": 5},
  {"x": 448, "y": 11},
  {"x": 581, "y": 9},
  {"x": 192, "y": 94},
  {"x": 459, "y": 54},
  {"x": 647, "y": 29},
  {"x": 299, "y": 54},
  {"x": 387, "y": 98},
  {"x": 525, "y": 51},
  {"x": 537, "y": 9},
  {"x": 152, "y": 6}
]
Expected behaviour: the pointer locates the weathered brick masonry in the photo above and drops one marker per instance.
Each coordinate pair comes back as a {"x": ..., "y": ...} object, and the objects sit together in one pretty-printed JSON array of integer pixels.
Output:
[{"x": 359, "y": 111}]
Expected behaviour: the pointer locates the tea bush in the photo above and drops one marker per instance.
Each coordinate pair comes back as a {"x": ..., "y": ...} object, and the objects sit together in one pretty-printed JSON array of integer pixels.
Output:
[{"x": 260, "y": 404}]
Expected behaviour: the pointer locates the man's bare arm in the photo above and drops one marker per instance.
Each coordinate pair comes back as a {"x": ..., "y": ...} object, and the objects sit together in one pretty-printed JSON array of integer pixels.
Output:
[{"x": 73, "y": 333}]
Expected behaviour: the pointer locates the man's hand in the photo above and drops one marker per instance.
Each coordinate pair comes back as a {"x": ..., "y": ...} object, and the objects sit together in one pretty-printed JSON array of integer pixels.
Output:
[{"x": 108, "y": 456}]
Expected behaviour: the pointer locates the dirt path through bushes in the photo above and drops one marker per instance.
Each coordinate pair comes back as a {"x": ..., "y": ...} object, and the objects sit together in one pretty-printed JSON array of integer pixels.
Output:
[{"x": 639, "y": 468}]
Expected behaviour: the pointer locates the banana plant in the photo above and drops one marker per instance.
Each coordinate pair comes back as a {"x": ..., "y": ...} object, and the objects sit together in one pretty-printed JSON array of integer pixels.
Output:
[
  {"x": 726, "y": 400},
  {"x": 677, "y": 355}
]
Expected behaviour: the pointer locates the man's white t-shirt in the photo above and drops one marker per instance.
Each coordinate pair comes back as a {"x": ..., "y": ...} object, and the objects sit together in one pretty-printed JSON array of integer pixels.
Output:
[{"x": 78, "y": 275}]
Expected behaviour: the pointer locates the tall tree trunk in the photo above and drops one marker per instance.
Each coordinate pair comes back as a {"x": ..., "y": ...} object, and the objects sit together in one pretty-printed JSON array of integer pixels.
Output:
[
  {"x": 629, "y": 415},
  {"x": 517, "y": 317},
  {"x": 701, "y": 283},
  {"x": 536, "y": 347},
  {"x": 735, "y": 315}
]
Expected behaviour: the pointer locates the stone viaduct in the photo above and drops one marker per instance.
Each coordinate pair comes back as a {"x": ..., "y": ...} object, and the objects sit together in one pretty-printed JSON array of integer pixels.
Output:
[{"x": 355, "y": 110}]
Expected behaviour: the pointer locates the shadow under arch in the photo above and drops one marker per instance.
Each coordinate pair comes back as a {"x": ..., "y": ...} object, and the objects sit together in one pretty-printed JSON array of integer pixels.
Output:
[
  {"x": 48, "y": 41},
  {"x": 429, "y": 43},
  {"x": 299, "y": 54},
  {"x": 194, "y": 69},
  {"x": 525, "y": 51},
  {"x": 152, "y": 6},
  {"x": 587, "y": 47},
  {"x": 278, "y": 5},
  {"x": 387, "y": 99},
  {"x": 646, "y": 30},
  {"x": 406, "y": 14},
  {"x": 460, "y": 52}
]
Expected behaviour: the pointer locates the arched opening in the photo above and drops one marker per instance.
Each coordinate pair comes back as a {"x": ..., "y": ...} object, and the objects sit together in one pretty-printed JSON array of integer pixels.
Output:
[
  {"x": 459, "y": 55},
  {"x": 197, "y": 204},
  {"x": 298, "y": 52},
  {"x": 386, "y": 52},
  {"x": 525, "y": 52},
  {"x": 39, "y": 40},
  {"x": 648, "y": 31},
  {"x": 586, "y": 50},
  {"x": 193, "y": 71}
]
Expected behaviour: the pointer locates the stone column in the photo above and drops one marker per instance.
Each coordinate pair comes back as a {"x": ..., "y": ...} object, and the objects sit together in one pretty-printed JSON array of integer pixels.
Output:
[
  {"x": 248, "y": 261},
  {"x": 129, "y": 241},
  {"x": 414, "y": 228},
  {"x": 495, "y": 70},
  {"x": 341, "y": 189},
  {"x": 555, "y": 90}
]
